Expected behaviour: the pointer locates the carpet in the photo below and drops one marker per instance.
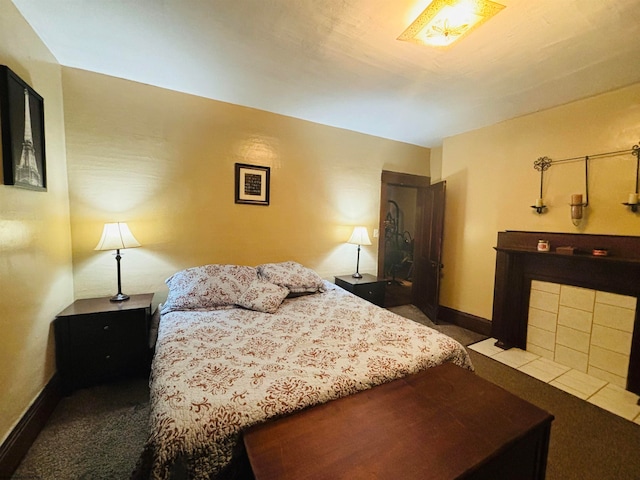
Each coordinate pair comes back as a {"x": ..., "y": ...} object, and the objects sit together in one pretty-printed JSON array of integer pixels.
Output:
[
  {"x": 98, "y": 433},
  {"x": 94, "y": 434},
  {"x": 464, "y": 336}
]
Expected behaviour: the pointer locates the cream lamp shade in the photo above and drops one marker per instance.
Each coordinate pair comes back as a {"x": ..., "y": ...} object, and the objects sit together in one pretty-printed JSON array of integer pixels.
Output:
[
  {"x": 114, "y": 237},
  {"x": 359, "y": 237}
]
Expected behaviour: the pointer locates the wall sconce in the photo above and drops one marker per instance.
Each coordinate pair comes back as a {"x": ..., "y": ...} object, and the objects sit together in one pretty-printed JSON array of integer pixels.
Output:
[
  {"x": 576, "y": 208},
  {"x": 542, "y": 165},
  {"x": 632, "y": 203},
  {"x": 577, "y": 205}
]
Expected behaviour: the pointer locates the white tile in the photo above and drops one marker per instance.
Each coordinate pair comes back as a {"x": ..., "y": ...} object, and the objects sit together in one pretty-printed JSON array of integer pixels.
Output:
[
  {"x": 541, "y": 338},
  {"x": 544, "y": 369},
  {"x": 612, "y": 339},
  {"x": 545, "y": 286},
  {"x": 624, "y": 301},
  {"x": 614, "y": 317},
  {"x": 582, "y": 384},
  {"x": 544, "y": 301},
  {"x": 569, "y": 389},
  {"x": 515, "y": 357},
  {"x": 617, "y": 400},
  {"x": 607, "y": 376},
  {"x": 571, "y": 358},
  {"x": 574, "y": 339},
  {"x": 542, "y": 319},
  {"x": 609, "y": 361},
  {"x": 576, "y": 297},
  {"x": 537, "y": 350},
  {"x": 575, "y": 318},
  {"x": 486, "y": 347}
]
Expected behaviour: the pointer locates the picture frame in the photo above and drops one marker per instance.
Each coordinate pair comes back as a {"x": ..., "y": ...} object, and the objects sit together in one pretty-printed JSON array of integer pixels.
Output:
[
  {"x": 252, "y": 184},
  {"x": 22, "y": 133}
]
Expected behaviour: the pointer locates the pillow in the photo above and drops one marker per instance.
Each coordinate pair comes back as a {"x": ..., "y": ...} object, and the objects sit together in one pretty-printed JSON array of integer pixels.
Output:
[
  {"x": 207, "y": 287},
  {"x": 263, "y": 296},
  {"x": 292, "y": 275}
]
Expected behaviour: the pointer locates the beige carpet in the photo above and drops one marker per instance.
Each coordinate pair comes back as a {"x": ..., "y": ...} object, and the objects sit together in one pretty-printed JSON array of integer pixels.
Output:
[{"x": 464, "y": 336}]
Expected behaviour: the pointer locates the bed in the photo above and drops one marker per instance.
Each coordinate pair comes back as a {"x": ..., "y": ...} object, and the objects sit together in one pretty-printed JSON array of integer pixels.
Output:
[{"x": 238, "y": 346}]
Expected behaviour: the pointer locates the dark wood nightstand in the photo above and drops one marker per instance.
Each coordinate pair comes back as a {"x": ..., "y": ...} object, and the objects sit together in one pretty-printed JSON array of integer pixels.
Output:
[
  {"x": 98, "y": 340},
  {"x": 369, "y": 287}
]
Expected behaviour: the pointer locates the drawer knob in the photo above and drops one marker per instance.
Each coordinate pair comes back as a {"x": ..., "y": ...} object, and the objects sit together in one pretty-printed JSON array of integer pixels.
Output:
[
  {"x": 106, "y": 327},
  {"x": 107, "y": 357}
]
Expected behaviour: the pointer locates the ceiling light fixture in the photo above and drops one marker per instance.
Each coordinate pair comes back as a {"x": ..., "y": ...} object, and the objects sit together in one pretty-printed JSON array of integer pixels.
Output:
[{"x": 445, "y": 21}]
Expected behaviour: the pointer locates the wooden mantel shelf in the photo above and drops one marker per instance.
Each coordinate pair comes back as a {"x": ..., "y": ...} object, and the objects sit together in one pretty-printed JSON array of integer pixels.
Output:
[
  {"x": 518, "y": 263},
  {"x": 581, "y": 255}
]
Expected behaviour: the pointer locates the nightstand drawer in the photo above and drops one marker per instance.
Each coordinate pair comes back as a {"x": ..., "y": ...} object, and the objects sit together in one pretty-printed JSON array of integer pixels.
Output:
[
  {"x": 102, "y": 329},
  {"x": 373, "y": 292}
]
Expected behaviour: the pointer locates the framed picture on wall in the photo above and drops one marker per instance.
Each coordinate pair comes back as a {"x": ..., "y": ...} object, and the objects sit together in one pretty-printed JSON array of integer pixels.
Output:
[
  {"x": 252, "y": 184},
  {"x": 22, "y": 127}
]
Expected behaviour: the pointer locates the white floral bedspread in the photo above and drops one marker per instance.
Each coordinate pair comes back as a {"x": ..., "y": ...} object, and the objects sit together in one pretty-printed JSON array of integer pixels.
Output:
[{"x": 217, "y": 372}]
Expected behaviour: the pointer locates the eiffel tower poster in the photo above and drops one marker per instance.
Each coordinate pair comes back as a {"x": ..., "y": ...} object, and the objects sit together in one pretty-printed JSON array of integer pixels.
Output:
[{"x": 22, "y": 124}]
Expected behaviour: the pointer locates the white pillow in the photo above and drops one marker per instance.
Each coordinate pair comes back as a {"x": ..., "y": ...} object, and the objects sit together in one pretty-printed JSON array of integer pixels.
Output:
[
  {"x": 263, "y": 296},
  {"x": 291, "y": 275},
  {"x": 208, "y": 287}
]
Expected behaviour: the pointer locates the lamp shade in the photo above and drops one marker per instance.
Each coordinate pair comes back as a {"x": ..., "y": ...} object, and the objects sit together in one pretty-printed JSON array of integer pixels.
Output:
[
  {"x": 359, "y": 236},
  {"x": 116, "y": 236}
]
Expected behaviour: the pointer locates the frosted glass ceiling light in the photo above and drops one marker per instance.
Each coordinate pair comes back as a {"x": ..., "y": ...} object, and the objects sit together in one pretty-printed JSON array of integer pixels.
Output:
[{"x": 445, "y": 21}]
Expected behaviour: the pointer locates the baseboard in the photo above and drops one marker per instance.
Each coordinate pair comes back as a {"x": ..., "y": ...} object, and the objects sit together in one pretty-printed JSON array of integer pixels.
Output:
[
  {"x": 17, "y": 444},
  {"x": 465, "y": 320}
]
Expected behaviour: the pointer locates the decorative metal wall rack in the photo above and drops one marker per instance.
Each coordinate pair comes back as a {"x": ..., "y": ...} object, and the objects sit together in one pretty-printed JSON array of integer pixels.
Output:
[{"x": 543, "y": 164}]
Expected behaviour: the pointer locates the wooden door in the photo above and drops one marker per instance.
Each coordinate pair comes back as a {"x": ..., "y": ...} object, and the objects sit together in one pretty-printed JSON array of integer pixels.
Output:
[
  {"x": 422, "y": 185},
  {"x": 428, "y": 249}
]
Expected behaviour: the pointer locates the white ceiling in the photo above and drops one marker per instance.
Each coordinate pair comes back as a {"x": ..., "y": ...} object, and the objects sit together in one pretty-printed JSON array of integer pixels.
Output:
[{"x": 337, "y": 62}]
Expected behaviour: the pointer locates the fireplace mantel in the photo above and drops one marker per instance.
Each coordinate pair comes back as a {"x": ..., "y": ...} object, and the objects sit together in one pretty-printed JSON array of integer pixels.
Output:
[{"x": 518, "y": 263}]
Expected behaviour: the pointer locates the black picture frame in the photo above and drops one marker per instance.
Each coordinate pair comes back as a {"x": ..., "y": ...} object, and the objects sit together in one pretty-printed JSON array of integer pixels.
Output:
[
  {"x": 23, "y": 148},
  {"x": 252, "y": 184}
]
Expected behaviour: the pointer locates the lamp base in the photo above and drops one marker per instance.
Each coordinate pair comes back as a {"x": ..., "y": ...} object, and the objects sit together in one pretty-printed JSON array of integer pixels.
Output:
[
  {"x": 356, "y": 275},
  {"x": 120, "y": 297}
]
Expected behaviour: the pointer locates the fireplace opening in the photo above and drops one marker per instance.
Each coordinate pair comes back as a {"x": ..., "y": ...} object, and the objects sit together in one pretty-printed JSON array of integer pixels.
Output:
[{"x": 588, "y": 330}]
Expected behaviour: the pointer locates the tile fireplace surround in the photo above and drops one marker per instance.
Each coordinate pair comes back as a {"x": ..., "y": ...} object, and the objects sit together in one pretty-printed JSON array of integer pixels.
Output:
[
  {"x": 579, "y": 304},
  {"x": 587, "y": 330}
]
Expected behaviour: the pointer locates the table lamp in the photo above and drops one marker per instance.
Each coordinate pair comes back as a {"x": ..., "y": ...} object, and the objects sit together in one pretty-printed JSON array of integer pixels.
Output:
[
  {"x": 116, "y": 236},
  {"x": 359, "y": 237}
]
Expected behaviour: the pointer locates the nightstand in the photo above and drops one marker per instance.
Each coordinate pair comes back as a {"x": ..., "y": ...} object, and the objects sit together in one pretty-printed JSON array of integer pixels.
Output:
[
  {"x": 98, "y": 340},
  {"x": 369, "y": 287}
]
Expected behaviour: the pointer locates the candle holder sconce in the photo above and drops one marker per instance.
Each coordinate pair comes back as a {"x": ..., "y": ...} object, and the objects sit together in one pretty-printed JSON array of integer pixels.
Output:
[
  {"x": 542, "y": 164},
  {"x": 632, "y": 203},
  {"x": 577, "y": 205}
]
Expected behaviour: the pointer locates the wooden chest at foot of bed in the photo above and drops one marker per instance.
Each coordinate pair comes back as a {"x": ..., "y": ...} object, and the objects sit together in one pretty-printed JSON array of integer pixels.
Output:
[{"x": 442, "y": 423}]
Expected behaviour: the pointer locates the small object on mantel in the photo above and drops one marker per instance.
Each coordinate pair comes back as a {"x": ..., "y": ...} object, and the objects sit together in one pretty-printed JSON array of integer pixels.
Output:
[
  {"x": 600, "y": 252},
  {"x": 543, "y": 245},
  {"x": 566, "y": 250}
]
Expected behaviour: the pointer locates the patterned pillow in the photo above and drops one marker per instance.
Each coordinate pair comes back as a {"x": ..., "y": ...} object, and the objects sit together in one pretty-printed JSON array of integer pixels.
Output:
[
  {"x": 208, "y": 286},
  {"x": 292, "y": 275},
  {"x": 263, "y": 297}
]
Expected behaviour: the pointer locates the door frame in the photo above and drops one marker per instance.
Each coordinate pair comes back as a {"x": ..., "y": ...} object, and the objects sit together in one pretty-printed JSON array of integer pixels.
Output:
[{"x": 399, "y": 180}]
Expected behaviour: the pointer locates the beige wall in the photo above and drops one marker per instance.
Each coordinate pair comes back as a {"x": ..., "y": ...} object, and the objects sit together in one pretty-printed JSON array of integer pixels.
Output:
[
  {"x": 491, "y": 184},
  {"x": 35, "y": 249},
  {"x": 164, "y": 162}
]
